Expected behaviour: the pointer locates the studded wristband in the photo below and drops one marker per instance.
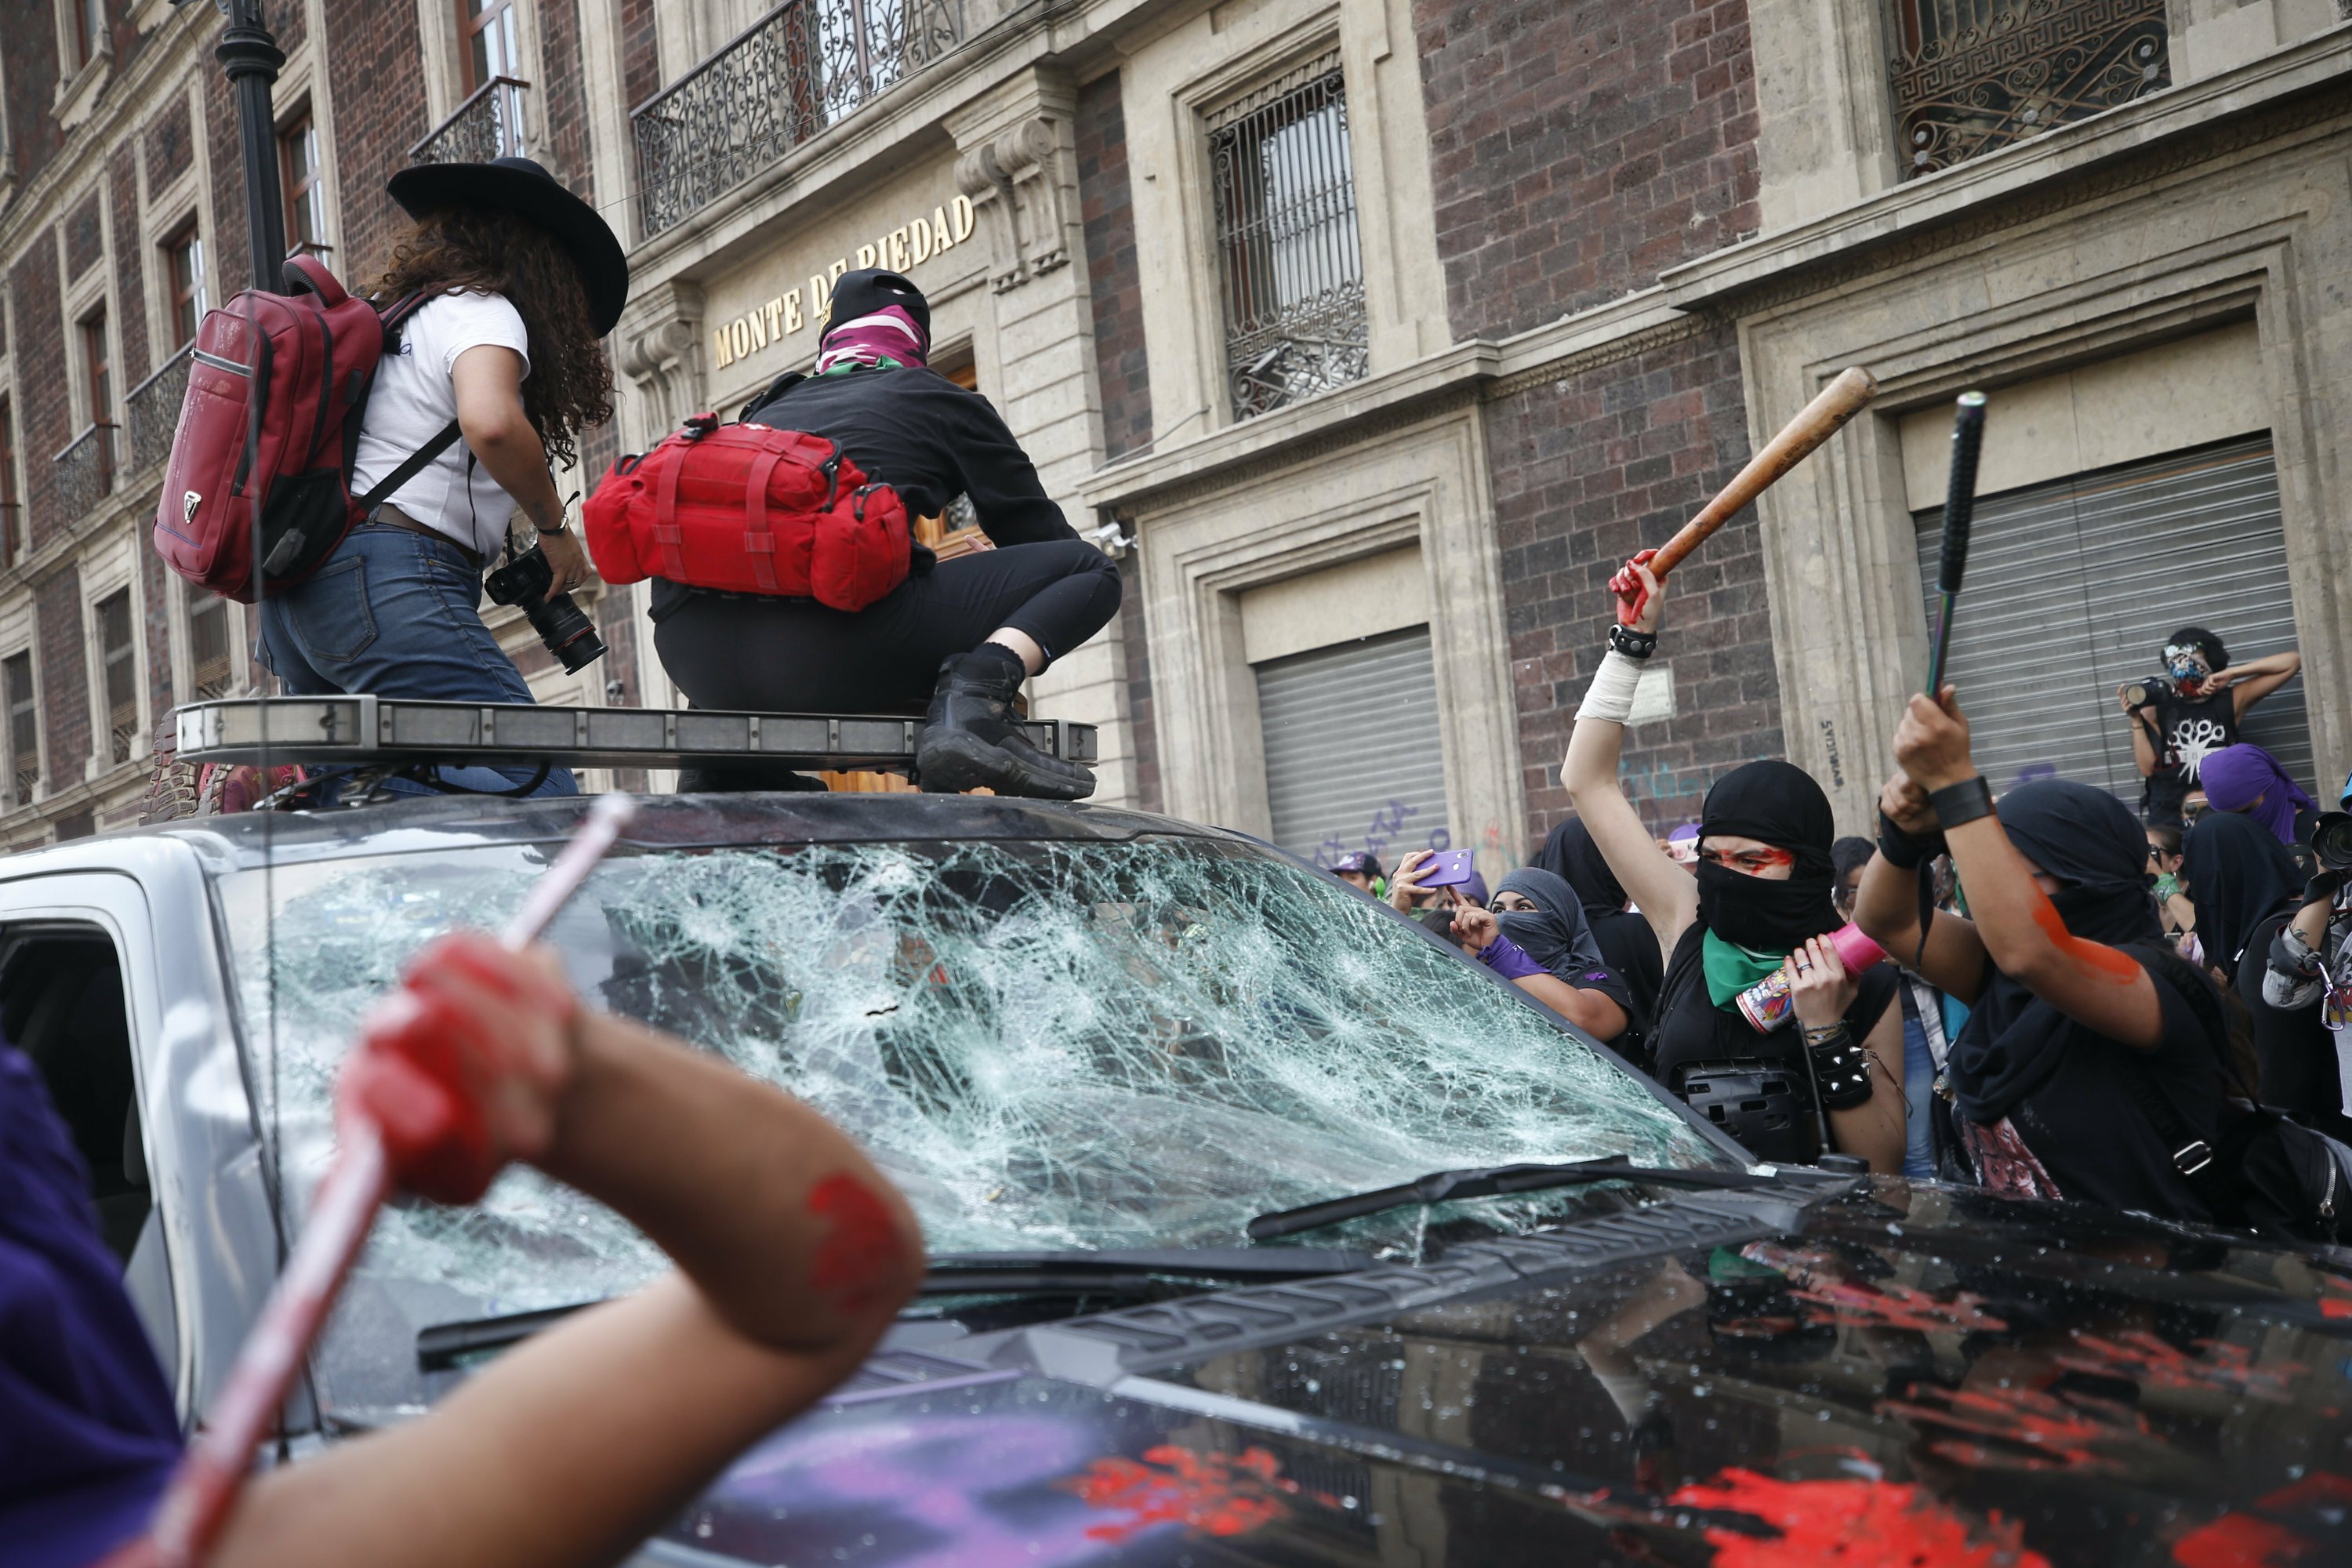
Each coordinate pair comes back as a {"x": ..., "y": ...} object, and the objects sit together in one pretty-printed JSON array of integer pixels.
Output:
[
  {"x": 1841, "y": 1066},
  {"x": 1633, "y": 644}
]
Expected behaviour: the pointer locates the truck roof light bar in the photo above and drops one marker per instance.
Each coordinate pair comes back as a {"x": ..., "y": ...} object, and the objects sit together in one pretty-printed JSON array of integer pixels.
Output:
[{"x": 368, "y": 730}]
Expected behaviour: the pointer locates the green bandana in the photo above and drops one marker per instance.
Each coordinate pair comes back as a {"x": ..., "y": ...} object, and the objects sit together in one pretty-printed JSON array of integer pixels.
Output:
[
  {"x": 880, "y": 362},
  {"x": 1731, "y": 969}
]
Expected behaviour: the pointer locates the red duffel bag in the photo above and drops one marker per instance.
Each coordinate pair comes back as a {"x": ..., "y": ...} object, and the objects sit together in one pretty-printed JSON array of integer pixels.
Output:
[{"x": 751, "y": 509}]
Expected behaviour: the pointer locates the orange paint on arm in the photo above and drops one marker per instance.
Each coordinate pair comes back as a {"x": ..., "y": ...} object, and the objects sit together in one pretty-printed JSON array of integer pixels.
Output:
[{"x": 2090, "y": 957}]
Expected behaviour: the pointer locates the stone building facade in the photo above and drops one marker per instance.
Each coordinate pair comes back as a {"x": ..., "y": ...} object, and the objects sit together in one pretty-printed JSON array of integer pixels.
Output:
[{"x": 1369, "y": 335}]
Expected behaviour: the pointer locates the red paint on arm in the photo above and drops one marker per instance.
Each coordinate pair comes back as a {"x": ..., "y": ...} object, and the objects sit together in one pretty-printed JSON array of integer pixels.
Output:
[
  {"x": 2090, "y": 957},
  {"x": 858, "y": 1253}
]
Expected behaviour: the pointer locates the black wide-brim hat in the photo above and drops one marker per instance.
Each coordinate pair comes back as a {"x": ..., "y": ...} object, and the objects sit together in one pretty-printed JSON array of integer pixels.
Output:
[{"x": 525, "y": 189}]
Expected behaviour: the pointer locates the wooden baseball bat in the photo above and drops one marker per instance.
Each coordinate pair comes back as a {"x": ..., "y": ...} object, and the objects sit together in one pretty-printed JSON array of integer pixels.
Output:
[{"x": 1840, "y": 401}]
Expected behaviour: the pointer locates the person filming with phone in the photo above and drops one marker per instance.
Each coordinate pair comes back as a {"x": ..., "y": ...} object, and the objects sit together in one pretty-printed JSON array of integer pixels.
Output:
[{"x": 1544, "y": 948}]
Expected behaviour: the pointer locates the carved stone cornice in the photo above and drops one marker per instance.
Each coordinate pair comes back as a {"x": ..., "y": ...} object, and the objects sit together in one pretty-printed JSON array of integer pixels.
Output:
[
  {"x": 659, "y": 340},
  {"x": 1024, "y": 192}
]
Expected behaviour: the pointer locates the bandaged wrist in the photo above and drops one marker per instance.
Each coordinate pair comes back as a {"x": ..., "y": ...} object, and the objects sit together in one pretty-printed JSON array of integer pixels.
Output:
[{"x": 1610, "y": 698}]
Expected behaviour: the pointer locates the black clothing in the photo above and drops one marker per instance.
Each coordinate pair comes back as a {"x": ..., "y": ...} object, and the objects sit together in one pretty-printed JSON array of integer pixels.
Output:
[
  {"x": 1556, "y": 935},
  {"x": 2067, "y": 1089},
  {"x": 2294, "y": 1051},
  {"x": 2239, "y": 875},
  {"x": 1778, "y": 804},
  {"x": 915, "y": 429},
  {"x": 1629, "y": 944},
  {"x": 1691, "y": 1029},
  {"x": 735, "y": 650},
  {"x": 2186, "y": 729}
]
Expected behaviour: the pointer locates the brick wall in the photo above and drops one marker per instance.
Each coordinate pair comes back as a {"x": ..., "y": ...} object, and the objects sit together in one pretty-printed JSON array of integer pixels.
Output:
[
  {"x": 85, "y": 236},
  {"x": 137, "y": 356},
  {"x": 1113, "y": 275},
  {"x": 232, "y": 265},
  {"x": 1579, "y": 148},
  {"x": 44, "y": 424},
  {"x": 1586, "y": 471},
  {"x": 1142, "y": 715},
  {"x": 641, "y": 72},
  {"x": 28, "y": 58},
  {"x": 64, "y": 675},
  {"x": 377, "y": 67},
  {"x": 171, "y": 141},
  {"x": 564, "y": 101}
]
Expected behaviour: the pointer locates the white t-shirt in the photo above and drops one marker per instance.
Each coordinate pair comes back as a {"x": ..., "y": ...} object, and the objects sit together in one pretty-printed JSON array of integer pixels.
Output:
[{"x": 414, "y": 401}]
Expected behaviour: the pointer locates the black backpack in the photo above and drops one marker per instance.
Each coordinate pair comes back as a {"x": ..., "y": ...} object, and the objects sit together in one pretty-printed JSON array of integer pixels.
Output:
[{"x": 2267, "y": 1173}]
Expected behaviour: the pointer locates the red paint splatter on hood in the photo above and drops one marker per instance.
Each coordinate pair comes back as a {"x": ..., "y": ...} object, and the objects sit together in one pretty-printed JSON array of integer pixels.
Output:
[
  {"x": 1893, "y": 1306},
  {"x": 2021, "y": 1429},
  {"x": 1218, "y": 1494},
  {"x": 1850, "y": 1523},
  {"x": 2308, "y": 1522},
  {"x": 2206, "y": 1364}
]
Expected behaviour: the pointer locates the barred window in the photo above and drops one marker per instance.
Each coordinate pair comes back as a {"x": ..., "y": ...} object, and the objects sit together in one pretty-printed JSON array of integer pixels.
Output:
[
  {"x": 1284, "y": 187},
  {"x": 212, "y": 670},
  {"x": 24, "y": 728},
  {"x": 120, "y": 658},
  {"x": 1973, "y": 76}
]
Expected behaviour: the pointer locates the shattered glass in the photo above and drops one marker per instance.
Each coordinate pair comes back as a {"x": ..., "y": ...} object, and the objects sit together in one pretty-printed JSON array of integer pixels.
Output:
[{"x": 1045, "y": 1044}]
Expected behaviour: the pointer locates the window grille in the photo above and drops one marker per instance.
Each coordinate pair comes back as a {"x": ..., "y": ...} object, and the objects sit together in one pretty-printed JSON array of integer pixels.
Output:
[
  {"x": 211, "y": 669},
  {"x": 24, "y": 728},
  {"x": 1284, "y": 187},
  {"x": 1973, "y": 76},
  {"x": 120, "y": 658}
]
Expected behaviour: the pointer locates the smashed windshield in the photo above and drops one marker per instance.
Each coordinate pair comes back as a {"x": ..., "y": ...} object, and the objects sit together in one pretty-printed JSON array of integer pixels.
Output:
[{"x": 1045, "y": 1044}]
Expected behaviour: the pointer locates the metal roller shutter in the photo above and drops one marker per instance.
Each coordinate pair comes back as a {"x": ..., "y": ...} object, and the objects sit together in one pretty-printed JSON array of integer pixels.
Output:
[
  {"x": 2073, "y": 585},
  {"x": 1352, "y": 757}
]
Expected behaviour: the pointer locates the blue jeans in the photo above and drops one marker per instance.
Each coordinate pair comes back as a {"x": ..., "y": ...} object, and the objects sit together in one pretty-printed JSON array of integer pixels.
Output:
[{"x": 395, "y": 614}]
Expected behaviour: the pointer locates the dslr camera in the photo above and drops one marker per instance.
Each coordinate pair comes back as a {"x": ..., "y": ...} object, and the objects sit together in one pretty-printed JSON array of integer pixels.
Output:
[
  {"x": 2331, "y": 841},
  {"x": 561, "y": 623},
  {"x": 2148, "y": 690}
]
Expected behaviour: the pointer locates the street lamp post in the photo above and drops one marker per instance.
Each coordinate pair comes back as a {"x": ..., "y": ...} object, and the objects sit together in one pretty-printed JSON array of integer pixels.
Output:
[{"x": 251, "y": 57}]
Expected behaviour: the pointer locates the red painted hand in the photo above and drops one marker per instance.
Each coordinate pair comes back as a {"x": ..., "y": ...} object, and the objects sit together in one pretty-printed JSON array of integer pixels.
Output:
[
  {"x": 1638, "y": 593},
  {"x": 462, "y": 1066}
]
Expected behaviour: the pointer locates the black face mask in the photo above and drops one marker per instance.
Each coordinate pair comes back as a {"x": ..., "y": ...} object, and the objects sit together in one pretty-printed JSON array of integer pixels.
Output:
[{"x": 1762, "y": 914}]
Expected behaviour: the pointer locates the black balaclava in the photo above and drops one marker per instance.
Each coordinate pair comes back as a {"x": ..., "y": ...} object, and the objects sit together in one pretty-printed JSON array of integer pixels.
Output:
[
  {"x": 2013, "y": 1041},
  {"x": 1570, "y": 855},
  {"x": 1554, "y": 934},
  {"x": 1778, "y": 804},
  {"x": 2238, "y": 876}
]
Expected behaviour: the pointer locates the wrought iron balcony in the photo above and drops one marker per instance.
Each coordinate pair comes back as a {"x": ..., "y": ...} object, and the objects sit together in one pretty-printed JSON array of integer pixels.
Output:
[
  {"x": 807, "y": 65},
  {"x": 1971, "y": 77},
  {"x": 86, "y": 471},
  {"x": 152, "y": 411},
  {"x": 488, "y": 125}
]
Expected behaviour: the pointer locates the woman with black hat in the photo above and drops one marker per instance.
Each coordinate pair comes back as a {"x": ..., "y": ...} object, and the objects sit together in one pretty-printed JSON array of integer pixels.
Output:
[
  {"x": 963, "y": 633},
  {"x": 1759, "y": 905},
  {"x": 501, "y": 370}
]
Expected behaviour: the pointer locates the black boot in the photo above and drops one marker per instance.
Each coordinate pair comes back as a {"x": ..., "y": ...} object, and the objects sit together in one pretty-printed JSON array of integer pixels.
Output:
[{"x": 969, "y": 738}]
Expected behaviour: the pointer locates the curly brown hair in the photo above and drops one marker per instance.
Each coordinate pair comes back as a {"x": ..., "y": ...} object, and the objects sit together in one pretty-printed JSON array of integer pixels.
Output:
[{"x": 569, "y": 387}]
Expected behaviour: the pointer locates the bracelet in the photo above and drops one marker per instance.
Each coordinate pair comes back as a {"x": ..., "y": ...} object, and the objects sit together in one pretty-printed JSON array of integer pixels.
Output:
[
  {"x": 1610, "y": 698},
  {"x": 1906, "y": 851},
  {"x": 1827, "y": 1035},
  {"x": 1963, "y": 802},
  {"x": 1631, "y": 643},
  {"x": 1841, "y": 1066}
]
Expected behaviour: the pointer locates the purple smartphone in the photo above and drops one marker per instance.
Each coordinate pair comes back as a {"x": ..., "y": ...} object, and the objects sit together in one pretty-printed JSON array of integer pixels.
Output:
[{"x": 1446, "y": 868}]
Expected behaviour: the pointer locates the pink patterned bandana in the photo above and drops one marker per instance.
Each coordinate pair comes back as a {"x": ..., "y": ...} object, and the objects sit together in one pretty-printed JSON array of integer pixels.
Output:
[{"x": 888, "y": 338}]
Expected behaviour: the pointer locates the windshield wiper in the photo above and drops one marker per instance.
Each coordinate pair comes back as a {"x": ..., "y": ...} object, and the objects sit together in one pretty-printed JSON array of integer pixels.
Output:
[
  {"x": 444, "y": 1345},
  {"x": 1079, "y": 1271},
  {"x": 1487, "y": 1182}
]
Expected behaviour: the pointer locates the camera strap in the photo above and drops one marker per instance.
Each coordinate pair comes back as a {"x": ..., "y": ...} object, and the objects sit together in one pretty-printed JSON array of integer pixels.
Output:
[{"x": 415, "y": 463}]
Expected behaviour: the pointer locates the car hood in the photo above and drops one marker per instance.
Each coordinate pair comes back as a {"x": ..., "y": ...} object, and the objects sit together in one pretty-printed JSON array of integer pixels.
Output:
[{"x": 1903, "y": 1373}]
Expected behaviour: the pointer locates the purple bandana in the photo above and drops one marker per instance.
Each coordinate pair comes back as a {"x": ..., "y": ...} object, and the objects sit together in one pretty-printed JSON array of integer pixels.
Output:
[
  {"x": 888, "y": 337},
  {"x": 2235, "y": 776}
]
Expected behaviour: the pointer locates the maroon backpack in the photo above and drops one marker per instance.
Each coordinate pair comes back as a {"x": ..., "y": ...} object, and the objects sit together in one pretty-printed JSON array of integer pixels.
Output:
[{"x": 270, "y": 425}]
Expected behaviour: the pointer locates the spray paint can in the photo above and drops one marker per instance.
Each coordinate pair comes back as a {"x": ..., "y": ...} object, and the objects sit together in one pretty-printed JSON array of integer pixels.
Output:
[{"x": 1767, "y": 1004}]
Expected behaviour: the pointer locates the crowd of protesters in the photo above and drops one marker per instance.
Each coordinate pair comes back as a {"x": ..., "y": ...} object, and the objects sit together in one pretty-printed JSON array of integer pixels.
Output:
[{"x": 2055, "y": 995}]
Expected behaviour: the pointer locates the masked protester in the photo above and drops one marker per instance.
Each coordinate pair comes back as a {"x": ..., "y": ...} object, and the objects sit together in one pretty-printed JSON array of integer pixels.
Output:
[
  {"x": 2247, "y": 781},
  {"x": 1759, "y": 905},
  {"x": 2193, "y": 712},
  {"x": 963, "y": 634},
  {"x": 1540, "y": 912},
  {"x": 2092, "y": 1066},
  {"x": 1628, "y": 946},
  {"x": 2247, "y": 887}
]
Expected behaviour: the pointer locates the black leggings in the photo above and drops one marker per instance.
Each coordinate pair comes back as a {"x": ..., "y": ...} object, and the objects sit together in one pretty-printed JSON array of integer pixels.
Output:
[{"x": 797, "y": 656}]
